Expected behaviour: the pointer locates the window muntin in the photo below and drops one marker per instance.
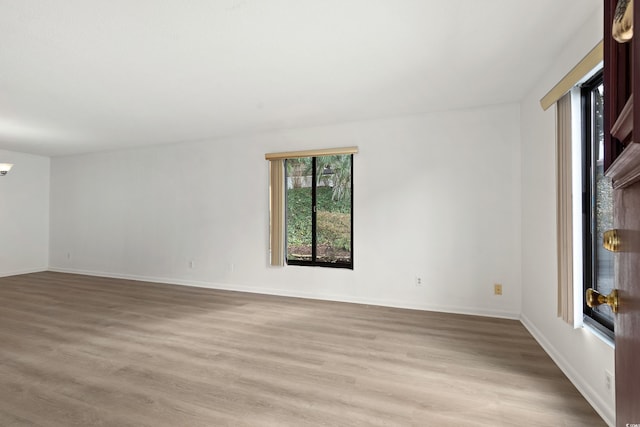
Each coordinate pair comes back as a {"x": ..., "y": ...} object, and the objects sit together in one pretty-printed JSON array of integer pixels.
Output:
[
  {"x": 597, "y": 205},
  {"x": 319, "y": 214}
]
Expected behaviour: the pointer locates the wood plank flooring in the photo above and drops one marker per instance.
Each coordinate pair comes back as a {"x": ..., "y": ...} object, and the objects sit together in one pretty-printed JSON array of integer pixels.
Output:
[{"x": 85, "y": 351}]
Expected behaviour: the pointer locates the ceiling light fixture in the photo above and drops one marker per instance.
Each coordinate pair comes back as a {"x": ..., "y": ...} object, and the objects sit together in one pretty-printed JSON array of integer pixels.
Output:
[{"x": 4, "y": 168}]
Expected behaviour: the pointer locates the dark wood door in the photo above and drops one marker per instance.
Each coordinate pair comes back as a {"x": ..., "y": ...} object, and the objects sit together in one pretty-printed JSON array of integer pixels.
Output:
[
  {"x": 627, "y": 327},
  {"x": 622, "y": 156}
]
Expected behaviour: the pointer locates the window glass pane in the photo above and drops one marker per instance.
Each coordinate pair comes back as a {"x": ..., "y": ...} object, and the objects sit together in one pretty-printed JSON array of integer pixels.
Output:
[
  {"x": 333, "y": 193},
  {"x": 602, "y": 207},
  {"x": 299, "y": 207}
]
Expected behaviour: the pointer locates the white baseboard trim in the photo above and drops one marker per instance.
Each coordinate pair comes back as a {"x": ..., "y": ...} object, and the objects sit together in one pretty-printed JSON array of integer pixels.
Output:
[
  {"x": 602, "y": 408},
  {"x": 19, "y": 272},
  {"x": 288, "y": 293}
]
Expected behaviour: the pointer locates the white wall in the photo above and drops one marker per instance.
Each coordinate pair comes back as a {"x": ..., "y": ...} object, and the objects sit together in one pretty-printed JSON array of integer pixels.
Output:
[
  {"x": 436, "y": 195},
  {"x": 24, "y": 214},
  {"x": 581, "y": 355}
]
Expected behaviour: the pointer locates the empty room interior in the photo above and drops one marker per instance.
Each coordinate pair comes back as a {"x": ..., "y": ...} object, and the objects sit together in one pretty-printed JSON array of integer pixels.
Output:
[{"x": 235, "y": 212}]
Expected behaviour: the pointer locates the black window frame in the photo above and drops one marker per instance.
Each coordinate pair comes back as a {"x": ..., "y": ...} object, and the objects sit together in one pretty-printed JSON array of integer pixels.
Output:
[
  {"x": 592, "y": 317},
  {"x": 314, "y": 262}
]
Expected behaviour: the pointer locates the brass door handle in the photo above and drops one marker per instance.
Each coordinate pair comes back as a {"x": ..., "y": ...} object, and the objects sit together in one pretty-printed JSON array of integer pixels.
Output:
[
  {"x": 595, "y": 298},
  {"x": 611, "y": 240}
]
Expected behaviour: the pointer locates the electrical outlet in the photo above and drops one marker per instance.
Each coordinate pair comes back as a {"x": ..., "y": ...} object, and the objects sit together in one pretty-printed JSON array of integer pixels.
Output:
[
  {"x": 608, "y": 380},
  {"x": 192, "y": 264},
  {"x": 497, "y": 289},
  {"x": 418, "y": 280},
  {"x": 68, "y": 255}
]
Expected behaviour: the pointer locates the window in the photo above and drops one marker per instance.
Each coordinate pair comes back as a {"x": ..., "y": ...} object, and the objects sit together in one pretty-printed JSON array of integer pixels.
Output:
[
  {"x": 319, "y": 214},
  {"x": 310, "y": 207},
  {"x": 597, "y": 205}
]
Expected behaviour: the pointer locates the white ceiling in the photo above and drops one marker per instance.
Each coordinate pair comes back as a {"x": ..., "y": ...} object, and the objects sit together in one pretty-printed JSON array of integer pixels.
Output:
[{"x": 87, "y": 75}]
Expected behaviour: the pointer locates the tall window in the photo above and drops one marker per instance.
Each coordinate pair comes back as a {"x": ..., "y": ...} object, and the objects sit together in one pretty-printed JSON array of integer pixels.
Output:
[
  {"x": 597, "y": 205},
  {"x": 319, "y": 214}
]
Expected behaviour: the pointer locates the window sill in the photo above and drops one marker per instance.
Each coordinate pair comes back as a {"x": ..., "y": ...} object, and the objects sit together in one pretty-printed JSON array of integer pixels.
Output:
[{"x": 586, "y": 324}]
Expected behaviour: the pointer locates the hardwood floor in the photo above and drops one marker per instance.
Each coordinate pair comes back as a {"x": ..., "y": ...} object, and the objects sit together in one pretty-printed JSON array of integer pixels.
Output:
[{"x": 83, "y": 351}]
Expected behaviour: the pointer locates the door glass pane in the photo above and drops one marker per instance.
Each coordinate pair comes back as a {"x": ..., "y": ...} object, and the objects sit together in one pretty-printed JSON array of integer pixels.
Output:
[
  {"x": 299, "y": 208},
  {"x": 602, "y": 207},
  {"x": 333, "y": 193}
]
